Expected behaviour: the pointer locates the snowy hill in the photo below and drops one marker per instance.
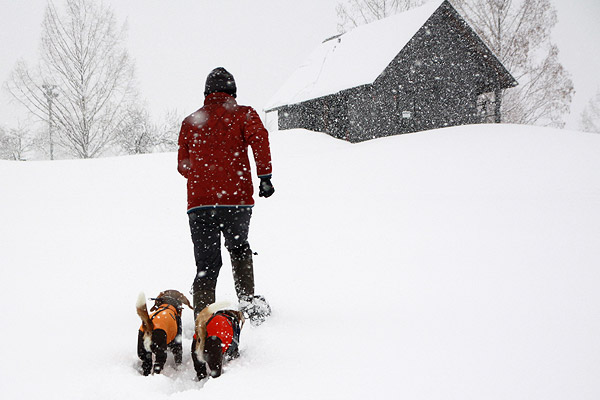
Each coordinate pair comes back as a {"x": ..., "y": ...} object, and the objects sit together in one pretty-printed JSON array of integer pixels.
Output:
[{"x": 454, "y": 264}]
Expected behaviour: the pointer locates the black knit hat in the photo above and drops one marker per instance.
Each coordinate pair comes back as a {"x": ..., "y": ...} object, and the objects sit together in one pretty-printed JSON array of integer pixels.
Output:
[{"x": 219, "y": 80}]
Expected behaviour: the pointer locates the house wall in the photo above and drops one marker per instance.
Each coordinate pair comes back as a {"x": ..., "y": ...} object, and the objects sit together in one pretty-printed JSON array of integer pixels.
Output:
[
  {"x": 326, "y": 114},
  {"x": 437, "y": 78}
]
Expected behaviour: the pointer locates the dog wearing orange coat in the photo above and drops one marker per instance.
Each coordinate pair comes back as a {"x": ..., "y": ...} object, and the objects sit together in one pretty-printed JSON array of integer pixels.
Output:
[
  {"x": 160, "y": 330},
  {"x": 216, "y": 339}
]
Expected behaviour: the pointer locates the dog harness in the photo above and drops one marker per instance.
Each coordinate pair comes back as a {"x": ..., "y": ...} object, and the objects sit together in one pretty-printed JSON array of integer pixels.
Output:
[
  {"x": 227, "y": 328},
  {"x": 165, "y": 318}
]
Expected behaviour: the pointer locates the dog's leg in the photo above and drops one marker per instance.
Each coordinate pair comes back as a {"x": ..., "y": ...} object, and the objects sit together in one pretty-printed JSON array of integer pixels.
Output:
[
  {"x": 177, "y": 349},
  {"x": 232, "y": 353},
  {"x": 213, "y": 354},
  {"x": 199, "y": 365},
  {"x": 159, "y": 348},
  {"x": 144, "y": 355},
  {"x": 176, "y": 345}
]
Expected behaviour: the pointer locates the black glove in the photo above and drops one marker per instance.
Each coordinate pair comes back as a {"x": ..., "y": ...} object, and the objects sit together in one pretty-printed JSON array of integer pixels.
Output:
[{"x": 265, "y": 189}]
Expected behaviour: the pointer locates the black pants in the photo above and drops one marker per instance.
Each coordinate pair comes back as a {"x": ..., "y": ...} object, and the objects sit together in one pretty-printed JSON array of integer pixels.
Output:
[{"x": 206, "y": 226}]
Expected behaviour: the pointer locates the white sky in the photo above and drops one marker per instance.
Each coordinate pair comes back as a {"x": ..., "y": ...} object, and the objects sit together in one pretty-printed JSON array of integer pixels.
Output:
[{"x": 176, "y": 43}]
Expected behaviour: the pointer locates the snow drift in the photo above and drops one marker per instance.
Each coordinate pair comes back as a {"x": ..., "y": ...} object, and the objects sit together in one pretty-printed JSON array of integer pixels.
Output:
[{"x": 457, "y": 263}]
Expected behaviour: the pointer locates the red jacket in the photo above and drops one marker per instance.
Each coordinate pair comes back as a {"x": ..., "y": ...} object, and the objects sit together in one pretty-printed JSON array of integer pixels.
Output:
[{"x": 213, "y": 153}]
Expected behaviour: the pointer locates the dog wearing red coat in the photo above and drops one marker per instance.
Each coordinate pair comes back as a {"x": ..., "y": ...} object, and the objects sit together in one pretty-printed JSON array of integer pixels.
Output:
[{"x": 216, "y": 339}]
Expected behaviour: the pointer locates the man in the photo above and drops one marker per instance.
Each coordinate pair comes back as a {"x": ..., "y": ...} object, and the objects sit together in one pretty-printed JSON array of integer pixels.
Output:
[{"x": 213, "y": 156}]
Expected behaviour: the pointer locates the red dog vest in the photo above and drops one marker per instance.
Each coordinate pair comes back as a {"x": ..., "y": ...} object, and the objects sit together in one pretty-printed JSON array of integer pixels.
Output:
[{"x": 220, "y": 326}]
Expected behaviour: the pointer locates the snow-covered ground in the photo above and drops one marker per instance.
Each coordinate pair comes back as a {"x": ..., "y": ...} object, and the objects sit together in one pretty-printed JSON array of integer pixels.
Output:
[{"x": 461, "y": 263}]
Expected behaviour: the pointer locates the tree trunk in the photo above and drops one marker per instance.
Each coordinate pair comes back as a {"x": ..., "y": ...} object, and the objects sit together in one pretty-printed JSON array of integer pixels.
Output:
[{"x": 497, "y": 106}]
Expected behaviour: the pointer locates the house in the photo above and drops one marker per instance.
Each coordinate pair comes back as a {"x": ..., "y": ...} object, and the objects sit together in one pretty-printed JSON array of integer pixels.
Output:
[{"x": 422, "y": 69}]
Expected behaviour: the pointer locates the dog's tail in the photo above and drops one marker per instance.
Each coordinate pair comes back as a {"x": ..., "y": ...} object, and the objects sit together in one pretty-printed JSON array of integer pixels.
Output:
[
  {"x": 201, "y": 321},
  {"x": 147, "y": 324}
]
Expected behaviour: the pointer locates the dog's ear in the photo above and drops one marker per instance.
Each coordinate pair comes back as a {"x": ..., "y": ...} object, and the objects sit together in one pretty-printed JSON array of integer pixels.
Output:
[
  {"x": 185, "y": 300},
  {"x": 240, "y": 317},
  {"x": 179, "y": 296},
  {"x": 176, "y": 295}
]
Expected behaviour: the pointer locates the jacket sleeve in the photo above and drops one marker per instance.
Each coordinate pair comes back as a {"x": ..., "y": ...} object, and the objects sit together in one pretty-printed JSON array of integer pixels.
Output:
[
  {"x": 183, "y": 155},
  {"x": 258, "y": 138}
]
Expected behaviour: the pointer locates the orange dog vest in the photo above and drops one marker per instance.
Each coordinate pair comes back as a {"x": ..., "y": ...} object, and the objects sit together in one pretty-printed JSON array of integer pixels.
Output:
[{"x": 165, "y": 318}]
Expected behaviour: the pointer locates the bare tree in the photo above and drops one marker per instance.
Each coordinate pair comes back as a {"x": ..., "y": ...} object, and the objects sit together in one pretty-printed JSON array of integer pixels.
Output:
[
  {"x": 84, "y": 79},
  {"x": 352, "y": 13},
  {"x": 5, "y": 145},
  {"x": 139, "y": 135},
  {"x": 590, "y": 117},
  {"x": 15, "y": 143},
  {"x": 6, "y": 152},
  {"x": 518, "y": 32},
  {"x": 168, "y": 131}
]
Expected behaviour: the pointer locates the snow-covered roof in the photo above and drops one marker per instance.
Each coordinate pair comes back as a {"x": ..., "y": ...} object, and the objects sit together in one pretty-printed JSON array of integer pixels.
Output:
[{"x": 353, "y": 59}]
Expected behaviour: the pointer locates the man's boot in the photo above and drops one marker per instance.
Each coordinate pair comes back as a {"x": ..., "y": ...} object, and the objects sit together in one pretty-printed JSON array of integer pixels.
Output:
[
  {"x": 202, "y": 298},
  {"x": 243, "y": 276},
  {"x": 254, "y": 307}
]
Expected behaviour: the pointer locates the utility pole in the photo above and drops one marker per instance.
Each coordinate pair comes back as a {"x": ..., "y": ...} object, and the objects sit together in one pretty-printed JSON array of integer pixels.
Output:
[{"x": 50, "y": 95}]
